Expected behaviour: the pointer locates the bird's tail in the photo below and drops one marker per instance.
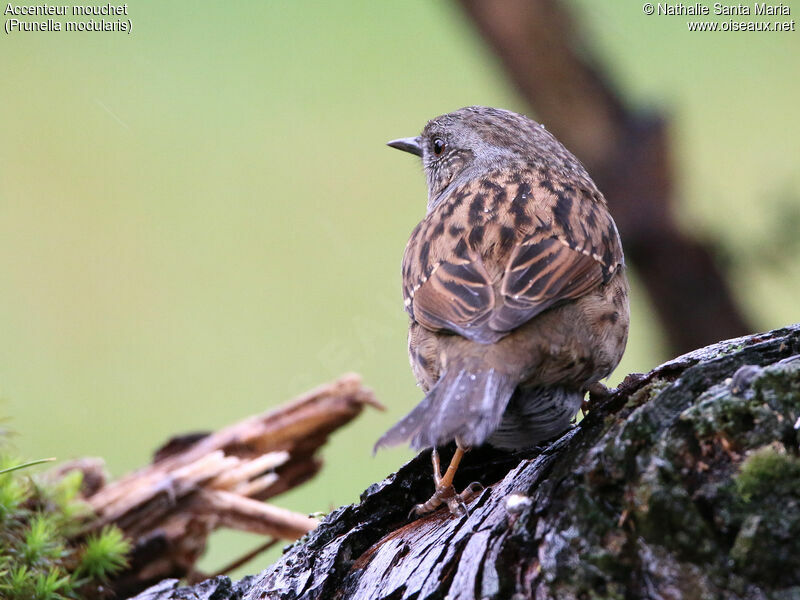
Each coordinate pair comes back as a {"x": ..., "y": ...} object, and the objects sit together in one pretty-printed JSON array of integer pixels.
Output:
[{"x": 466, "y": 403}]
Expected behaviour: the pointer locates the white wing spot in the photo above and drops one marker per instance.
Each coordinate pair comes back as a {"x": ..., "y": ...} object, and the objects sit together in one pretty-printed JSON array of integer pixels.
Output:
[{"x": 422, "y": 280}]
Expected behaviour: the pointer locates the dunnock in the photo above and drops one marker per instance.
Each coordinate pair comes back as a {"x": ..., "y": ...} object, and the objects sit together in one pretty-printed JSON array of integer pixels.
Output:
[{"x": 515, "y": 285}]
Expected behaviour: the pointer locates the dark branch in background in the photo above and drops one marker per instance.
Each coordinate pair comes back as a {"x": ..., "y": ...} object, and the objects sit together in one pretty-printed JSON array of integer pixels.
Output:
[{"x": 627, "y": 153}]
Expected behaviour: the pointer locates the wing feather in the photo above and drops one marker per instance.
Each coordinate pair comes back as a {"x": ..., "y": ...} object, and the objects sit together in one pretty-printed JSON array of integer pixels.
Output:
[{"x": 538, "y": 245}]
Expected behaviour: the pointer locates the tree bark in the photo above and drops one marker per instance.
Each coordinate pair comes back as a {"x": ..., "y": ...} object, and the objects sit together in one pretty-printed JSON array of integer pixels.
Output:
[{"x": 683, "y": 483}]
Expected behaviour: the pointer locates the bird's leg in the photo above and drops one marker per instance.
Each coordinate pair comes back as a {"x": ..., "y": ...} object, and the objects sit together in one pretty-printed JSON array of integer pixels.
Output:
[
  {"x": 437, "y": 470},
  {"x": 445, "y": 492}
]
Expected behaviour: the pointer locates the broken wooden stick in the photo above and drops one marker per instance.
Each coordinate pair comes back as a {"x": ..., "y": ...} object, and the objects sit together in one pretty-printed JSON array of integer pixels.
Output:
[{"x": 201, "y": 482}]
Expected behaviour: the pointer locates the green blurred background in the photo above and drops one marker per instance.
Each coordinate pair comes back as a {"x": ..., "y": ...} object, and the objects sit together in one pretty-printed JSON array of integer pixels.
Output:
[{"x": 200, "y": 220}]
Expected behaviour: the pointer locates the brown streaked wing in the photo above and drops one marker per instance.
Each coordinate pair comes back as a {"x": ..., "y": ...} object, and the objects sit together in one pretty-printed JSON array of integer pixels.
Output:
[
  {"x": 561, "y": 256},
  {"x": 457, "y": 296},
  {"x": 542, "y": 271}
]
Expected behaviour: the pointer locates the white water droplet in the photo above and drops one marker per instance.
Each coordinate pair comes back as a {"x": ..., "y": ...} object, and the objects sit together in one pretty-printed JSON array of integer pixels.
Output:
[{"x": 517, "y": 503}]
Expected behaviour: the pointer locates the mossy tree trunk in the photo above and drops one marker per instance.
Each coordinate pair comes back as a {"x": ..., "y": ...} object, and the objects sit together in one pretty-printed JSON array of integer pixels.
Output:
[{"x": 684, "y": 483}]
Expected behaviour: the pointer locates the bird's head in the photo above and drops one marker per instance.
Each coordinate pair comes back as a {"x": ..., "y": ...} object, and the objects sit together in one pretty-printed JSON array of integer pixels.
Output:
[{"x": 470, "y": 142}]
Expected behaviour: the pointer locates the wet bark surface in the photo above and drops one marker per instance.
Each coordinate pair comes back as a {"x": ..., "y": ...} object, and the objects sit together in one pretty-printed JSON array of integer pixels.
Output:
[{"x": 683, "y": 483}]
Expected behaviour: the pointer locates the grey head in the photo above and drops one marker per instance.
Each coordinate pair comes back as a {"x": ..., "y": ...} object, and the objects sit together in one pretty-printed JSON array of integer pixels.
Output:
[{"x": 473, "y": 141}]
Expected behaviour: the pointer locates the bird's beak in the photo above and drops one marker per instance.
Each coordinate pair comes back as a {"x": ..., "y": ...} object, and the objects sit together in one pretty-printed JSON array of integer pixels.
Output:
[{"x": 407, "y": 145}]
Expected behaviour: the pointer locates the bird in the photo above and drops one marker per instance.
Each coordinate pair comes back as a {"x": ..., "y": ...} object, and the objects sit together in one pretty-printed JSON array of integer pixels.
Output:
[{"x": 515, "y": 287}]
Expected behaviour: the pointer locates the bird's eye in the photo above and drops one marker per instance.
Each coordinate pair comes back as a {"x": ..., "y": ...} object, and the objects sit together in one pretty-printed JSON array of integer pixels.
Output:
[{"x": 438, "y": 147}]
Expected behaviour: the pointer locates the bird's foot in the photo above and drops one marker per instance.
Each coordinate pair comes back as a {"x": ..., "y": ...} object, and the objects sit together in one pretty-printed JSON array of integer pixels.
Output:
[
  {"x": 457, "y": 503},
  {"x": 597, "y": 392},
  {"x": 444, "y": 492}
]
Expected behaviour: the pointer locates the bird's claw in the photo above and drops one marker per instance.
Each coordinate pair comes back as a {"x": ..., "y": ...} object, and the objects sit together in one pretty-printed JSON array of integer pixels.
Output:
[
  {"x": 457, "y": 506},
  {"x": 457, "y": 503},
  {"x": 474, "y": 489},
  {"x": 443, "y": 494}
]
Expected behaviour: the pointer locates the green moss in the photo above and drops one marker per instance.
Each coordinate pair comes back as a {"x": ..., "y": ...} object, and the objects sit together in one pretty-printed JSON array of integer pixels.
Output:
[
  {"x": 612, "y": 592},
  {"x": 763, "y": 411},
  {"x": 647, "y": 393},
  {"x": 686, "y": 494},
  {"x": 732, "y": 349},
  {"x": 666, "y": 514},
  {"x": 779, "y": 388},
  {"x": 767, "y": 545},
  {"x": 767, "y": 472},
  {"x": 755, "y": 506},
  {"x": 39, "y": 560},
  {"x": 104, "y": 554}
]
